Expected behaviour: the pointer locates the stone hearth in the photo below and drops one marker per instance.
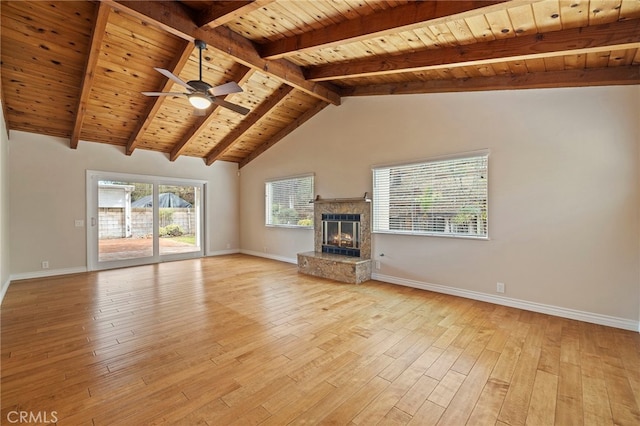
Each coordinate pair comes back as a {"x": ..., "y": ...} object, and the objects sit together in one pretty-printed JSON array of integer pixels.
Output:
[{"x": 345, "y": 268}]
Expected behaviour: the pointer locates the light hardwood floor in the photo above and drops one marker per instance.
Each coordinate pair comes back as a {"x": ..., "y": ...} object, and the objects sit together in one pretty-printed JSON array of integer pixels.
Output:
[{"x": 243, "y": 340}]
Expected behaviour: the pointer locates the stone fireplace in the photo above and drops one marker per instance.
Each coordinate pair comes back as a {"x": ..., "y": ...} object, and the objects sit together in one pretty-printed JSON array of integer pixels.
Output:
[{"x": 342, "y": 241}]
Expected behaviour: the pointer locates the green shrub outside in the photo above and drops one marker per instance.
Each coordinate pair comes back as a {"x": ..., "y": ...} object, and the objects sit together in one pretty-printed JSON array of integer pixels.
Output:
[{"x": 171, "y": 230}]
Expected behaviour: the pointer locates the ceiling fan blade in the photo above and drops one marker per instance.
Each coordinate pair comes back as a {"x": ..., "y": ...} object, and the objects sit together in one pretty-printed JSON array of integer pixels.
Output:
[
  {"x": 173, "y": 77},
  {"x": 163, "y": 94},
  {"x": 225, "y": 89},
  {"x": 237, "y": 108}
]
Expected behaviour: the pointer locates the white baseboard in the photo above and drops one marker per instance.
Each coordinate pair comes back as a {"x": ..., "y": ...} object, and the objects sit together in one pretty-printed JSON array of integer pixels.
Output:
[
  {"x": 270, "y": 256},
  {"x": 3, "y": 290},
  {"x": 48, "y": 273},
  {"x": 222, "y": 252},
  {"x": 623, "y": 323}
]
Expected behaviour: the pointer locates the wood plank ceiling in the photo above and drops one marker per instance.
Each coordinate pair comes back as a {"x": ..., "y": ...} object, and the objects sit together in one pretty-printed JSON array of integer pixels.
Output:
[{"x": 76, "y": 69}]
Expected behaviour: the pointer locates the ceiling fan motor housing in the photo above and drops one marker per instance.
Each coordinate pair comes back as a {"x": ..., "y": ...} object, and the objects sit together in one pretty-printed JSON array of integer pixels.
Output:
[{"x": 200, "y": 86}]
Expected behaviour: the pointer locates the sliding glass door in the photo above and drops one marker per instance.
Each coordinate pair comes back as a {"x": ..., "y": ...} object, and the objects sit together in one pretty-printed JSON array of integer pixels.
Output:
[
  {"x": 125, "y": 232},
  {"x": 179, "y": 219},
  {"x": 136, "y": 220}
]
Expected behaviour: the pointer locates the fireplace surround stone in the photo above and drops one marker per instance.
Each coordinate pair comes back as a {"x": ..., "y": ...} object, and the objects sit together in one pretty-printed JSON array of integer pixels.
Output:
[{"x": 345, "y": 268}]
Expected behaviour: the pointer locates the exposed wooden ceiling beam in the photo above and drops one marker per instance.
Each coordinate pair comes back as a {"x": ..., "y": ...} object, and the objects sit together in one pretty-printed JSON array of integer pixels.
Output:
[
  {"x": 154, "y": 104},
  {"x": 415, "y": 14},
  {"x": 282, "y": 133},
  {"x": 221, "y": 13},
  {"x": 613, "y": 36},
  {"x": 100, "y": 24},
  {"x": 613, "y": 76},
  {"x": 172, "y": 17},
  {"x": 241, "y": 76},
  {"x": 263, "y": 109}
]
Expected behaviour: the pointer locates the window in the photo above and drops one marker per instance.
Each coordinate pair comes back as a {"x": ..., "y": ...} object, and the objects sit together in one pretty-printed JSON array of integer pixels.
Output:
[
  {"x": 287, "y": 202},
  {"x": 446, "y": 197}
]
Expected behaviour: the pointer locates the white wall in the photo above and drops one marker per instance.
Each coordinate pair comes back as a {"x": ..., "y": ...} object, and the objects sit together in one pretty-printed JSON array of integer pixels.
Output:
[
  {"x": 47, "y": 193},
  {"x": 563, "y": 188},
  {"x": 4, "y": 207}
]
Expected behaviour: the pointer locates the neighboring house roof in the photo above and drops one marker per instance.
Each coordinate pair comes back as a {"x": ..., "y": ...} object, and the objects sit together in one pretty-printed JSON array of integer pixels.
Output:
[{"x": 166, "y": 199}]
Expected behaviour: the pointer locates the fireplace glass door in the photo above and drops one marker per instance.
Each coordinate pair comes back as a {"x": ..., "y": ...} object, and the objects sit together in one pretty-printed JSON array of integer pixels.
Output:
[{"x": 341, "y": 236}]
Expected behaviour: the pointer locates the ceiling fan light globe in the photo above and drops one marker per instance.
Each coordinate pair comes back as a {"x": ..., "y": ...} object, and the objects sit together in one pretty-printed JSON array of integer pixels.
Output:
[{"x": 199, "y": 101}]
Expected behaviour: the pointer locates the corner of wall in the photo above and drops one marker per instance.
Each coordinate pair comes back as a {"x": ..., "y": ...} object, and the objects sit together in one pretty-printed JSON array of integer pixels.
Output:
[
  {"x": 638, "y": 189},
  {"x": 3, "y": 290},
  {"x": 4, "y": 206}
]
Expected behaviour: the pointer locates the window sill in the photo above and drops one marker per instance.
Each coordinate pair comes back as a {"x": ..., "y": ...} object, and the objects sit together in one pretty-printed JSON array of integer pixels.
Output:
[
  {"x": 289, "y": 226},
  {"x": 425, "y": 234}
]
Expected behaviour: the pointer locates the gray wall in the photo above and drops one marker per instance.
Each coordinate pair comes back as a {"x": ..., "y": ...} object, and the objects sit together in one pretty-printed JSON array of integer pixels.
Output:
[
  {"x": 47, "y": 194},
  {"x": 563, "y": 191}
]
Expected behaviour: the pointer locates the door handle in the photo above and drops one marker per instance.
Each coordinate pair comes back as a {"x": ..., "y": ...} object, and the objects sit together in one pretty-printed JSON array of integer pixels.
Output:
[{"x": 93, "y": 221}]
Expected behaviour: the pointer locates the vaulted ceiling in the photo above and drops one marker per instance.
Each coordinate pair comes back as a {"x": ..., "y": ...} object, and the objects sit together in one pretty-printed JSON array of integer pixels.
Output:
[{"x": 76, "y": 69}]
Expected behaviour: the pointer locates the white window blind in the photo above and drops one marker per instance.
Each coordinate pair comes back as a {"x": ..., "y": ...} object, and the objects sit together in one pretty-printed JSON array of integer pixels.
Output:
[
  {"x": 287, "y": 202},
  {"x": 446, "y": 197}
]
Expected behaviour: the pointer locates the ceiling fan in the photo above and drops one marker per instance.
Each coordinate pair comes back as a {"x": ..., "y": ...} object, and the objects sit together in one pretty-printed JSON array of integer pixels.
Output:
[{"x": 200, "y": 93}]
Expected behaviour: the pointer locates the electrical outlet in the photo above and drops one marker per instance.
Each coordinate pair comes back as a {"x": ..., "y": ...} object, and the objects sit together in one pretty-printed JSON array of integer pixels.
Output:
[
  {"x": 500, "y": 287},
  {"x": 377, "y": 264},
  {"x": 228, "y": 245},
  {"x": 45, "y": 264}
]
